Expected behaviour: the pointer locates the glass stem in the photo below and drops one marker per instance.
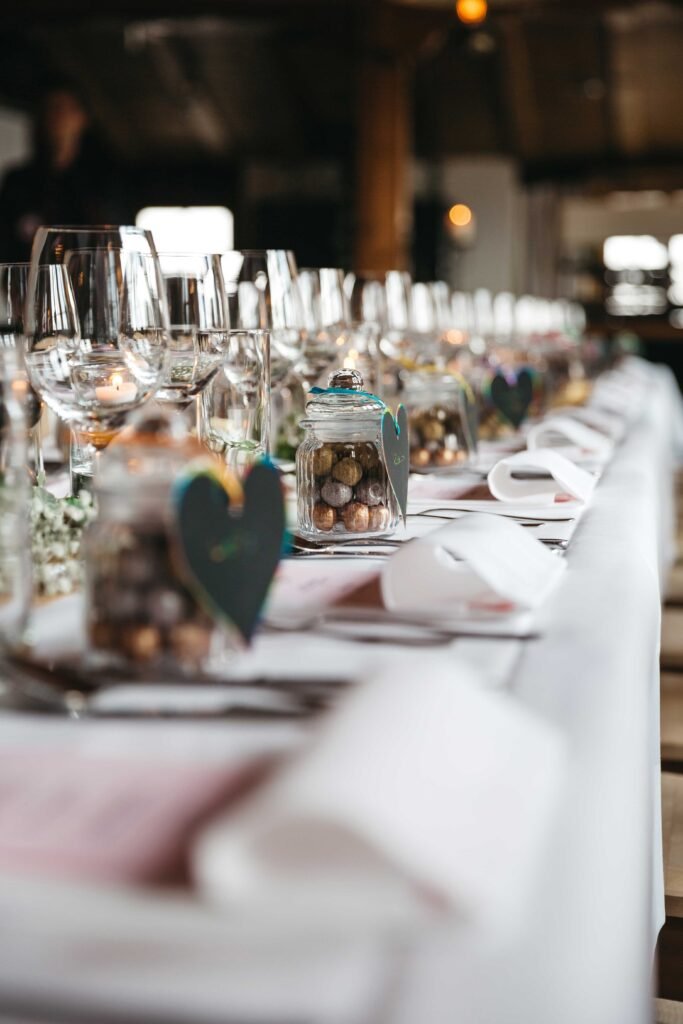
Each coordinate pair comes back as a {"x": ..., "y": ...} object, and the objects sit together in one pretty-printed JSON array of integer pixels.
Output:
[
  {"x": 38, "y": 462},
  {"x": 82, "y": 454}
]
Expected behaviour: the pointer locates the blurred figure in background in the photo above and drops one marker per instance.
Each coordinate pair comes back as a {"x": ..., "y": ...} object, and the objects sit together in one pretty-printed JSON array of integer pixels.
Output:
[{"x": 67, "y": 181}]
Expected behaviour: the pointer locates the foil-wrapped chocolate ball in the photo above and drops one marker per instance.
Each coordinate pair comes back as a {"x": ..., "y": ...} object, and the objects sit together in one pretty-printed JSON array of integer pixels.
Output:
[
  {"x": 446, "y": 457},
  {"x": 420, "y": 457},
  {"x": 336, "y": 493},
  {"x": 120, "y": 602},
  {"x": 166, "y": 606},
  {"x": 432, "y": 429},
  {"x": 323, "y": 460},
  {"x": 378, "y": 518},
  {"x": 141, "y": 643},
  {"x": 102, "y": 635},
  {"x": 190, "y": 642},
  {"x": 324, "y": 517},
  {"x": 138, "y": 565},
  {"x": 368, "y": 456},
  {"x": 370, "y": 492},
  {"x": 356, "y": 516},
  {"x": 348, "y": 471}
]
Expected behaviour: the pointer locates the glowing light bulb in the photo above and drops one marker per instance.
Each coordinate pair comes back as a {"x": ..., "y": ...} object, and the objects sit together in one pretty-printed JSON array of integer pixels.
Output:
[
  {"x": 460, "y": 215},
  {"x": 471, "y": 12}
]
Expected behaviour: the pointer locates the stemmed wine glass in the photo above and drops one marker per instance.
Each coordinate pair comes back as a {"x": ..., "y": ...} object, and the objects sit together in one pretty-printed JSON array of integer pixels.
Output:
[
  {"x": 367, "y": 309},
  {"x": 326, "y": 321},
  {"x": 199, "y": 323},
  {"x": 97, "y": 330},
  {"x": 235, "y": 407},
  {"x": 51, "y": 243},
  {"x": 263, "y": 295}
]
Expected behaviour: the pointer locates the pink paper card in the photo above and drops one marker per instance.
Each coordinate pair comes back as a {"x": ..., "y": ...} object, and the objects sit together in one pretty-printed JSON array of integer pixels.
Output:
[{"x": 109, "y": 819}]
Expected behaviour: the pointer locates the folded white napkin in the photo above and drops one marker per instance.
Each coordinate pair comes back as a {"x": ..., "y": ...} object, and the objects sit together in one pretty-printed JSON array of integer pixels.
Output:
[
  {"x": 565, "y": 430},
  {"x": 421, "y": 791},
  {"x": 562, "y": 478},
  {"x": 620, "y": 394},
  {"x": 478, "y": 560},
  {"x": 609, "y": 424}
]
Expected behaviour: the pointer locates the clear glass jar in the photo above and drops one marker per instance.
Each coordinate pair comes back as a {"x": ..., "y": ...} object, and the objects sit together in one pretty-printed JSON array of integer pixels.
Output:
[
  {"x": 342, "y": 483},
  {"x": 440, "y": 431},
  {"x": 142, "y": 613}
]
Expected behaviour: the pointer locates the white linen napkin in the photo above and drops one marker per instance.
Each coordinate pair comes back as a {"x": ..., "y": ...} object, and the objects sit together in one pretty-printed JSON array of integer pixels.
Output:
[
  {"x": 423, "y": 791},
  {"x": 564, "y": 478},
  {"x": 564, "y": 430},
  {"x": 619, "y": 393},
  {"x": 479, "y": 560},
  {"x": 609, "y": 424}
]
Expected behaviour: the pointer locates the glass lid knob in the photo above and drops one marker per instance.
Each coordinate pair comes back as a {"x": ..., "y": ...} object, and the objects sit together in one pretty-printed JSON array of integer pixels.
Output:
[{"x": 350, "y": 380}]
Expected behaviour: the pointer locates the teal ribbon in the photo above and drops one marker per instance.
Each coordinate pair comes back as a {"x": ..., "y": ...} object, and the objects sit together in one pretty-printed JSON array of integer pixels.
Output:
[{"x": 346, "y": 391}]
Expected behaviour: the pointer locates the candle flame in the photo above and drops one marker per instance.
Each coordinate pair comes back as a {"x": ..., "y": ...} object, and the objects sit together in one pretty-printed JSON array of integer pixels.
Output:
[{"x": 116, "y": 380}]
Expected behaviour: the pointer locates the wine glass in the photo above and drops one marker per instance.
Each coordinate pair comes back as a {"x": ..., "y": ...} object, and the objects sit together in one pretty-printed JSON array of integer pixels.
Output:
[
  {"x": 13, "y": 286},
  {"x": 97, "y": 328},
  {"x": 326, "y": 318},
  {"x": 235, "y": 407},
  {"x": 263, "y": 295},
  {"x": 367, "y": 310},
  {"x": 396, "y": 344},
  {"x": 50, "y": 244},
  {"x": 198, "y": 324}
]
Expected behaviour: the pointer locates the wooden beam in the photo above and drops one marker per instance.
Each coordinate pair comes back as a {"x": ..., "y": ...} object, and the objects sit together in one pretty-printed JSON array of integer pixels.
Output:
[
  {"x": 383, "y": 199},
  {"x": 390, "y": 40}
]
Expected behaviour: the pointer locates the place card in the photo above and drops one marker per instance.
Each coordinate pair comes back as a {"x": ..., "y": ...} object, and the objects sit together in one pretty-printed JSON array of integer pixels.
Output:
[{"x": 108, "y": 819}]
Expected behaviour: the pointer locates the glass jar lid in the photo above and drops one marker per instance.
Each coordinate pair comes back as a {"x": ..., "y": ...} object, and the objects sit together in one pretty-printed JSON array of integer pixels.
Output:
[{"x": 344, "y": 397}]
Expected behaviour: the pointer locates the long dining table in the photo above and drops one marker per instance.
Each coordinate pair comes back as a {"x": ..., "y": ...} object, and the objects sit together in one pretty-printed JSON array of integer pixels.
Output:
[{"x": 583, "y": 949}]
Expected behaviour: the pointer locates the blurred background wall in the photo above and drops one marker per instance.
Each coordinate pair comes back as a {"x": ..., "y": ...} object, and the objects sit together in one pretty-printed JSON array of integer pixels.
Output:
[{"x": 492, "y": 144}]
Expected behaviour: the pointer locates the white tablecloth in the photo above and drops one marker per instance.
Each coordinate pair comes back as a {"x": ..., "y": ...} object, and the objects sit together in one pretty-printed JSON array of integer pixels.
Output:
[{"x": 585, "y": 952}]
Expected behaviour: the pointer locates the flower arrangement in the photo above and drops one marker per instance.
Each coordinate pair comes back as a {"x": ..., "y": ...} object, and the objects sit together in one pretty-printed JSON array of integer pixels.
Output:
[{"x": 57, "y": 526}]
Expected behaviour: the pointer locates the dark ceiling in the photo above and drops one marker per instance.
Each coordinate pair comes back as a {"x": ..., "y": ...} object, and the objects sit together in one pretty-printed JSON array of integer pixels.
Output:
[{"x": 586, "y": 90}]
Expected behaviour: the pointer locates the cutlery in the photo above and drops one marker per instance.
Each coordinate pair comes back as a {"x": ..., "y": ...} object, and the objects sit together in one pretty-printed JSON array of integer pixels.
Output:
[
  {"x": 442, "y": 630},
  {"x": 338, "y": 552},
  {"x": 66, "y": 690},
  {"x": 432, "y": 513}
]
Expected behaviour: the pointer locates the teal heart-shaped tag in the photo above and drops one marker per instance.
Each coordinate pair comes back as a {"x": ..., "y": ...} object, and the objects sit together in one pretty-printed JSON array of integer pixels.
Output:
[
  {"x": 231, "y": 554},
  {"x": 395, "y": 442}
]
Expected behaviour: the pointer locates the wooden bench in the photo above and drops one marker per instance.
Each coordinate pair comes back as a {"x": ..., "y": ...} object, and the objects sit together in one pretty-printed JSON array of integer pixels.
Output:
[
  {"x": 672, "y": 833},
  {"x": 673, "y": 597},
  {"x": 668, "y": 1012},
  {"x": 671, "y": 718},
  {"x": 671, "y": 656},
  {"x": 670, "y": 946}
]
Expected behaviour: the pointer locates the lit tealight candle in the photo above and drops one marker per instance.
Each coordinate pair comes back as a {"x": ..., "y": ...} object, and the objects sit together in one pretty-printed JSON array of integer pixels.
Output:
[{"x": 117, "y": 392}]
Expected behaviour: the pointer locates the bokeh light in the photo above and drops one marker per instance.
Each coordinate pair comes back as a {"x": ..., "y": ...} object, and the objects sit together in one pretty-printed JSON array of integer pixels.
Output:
[
  {"x": 460, "y": 215},
  {"x": 471, "y": 12}
]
